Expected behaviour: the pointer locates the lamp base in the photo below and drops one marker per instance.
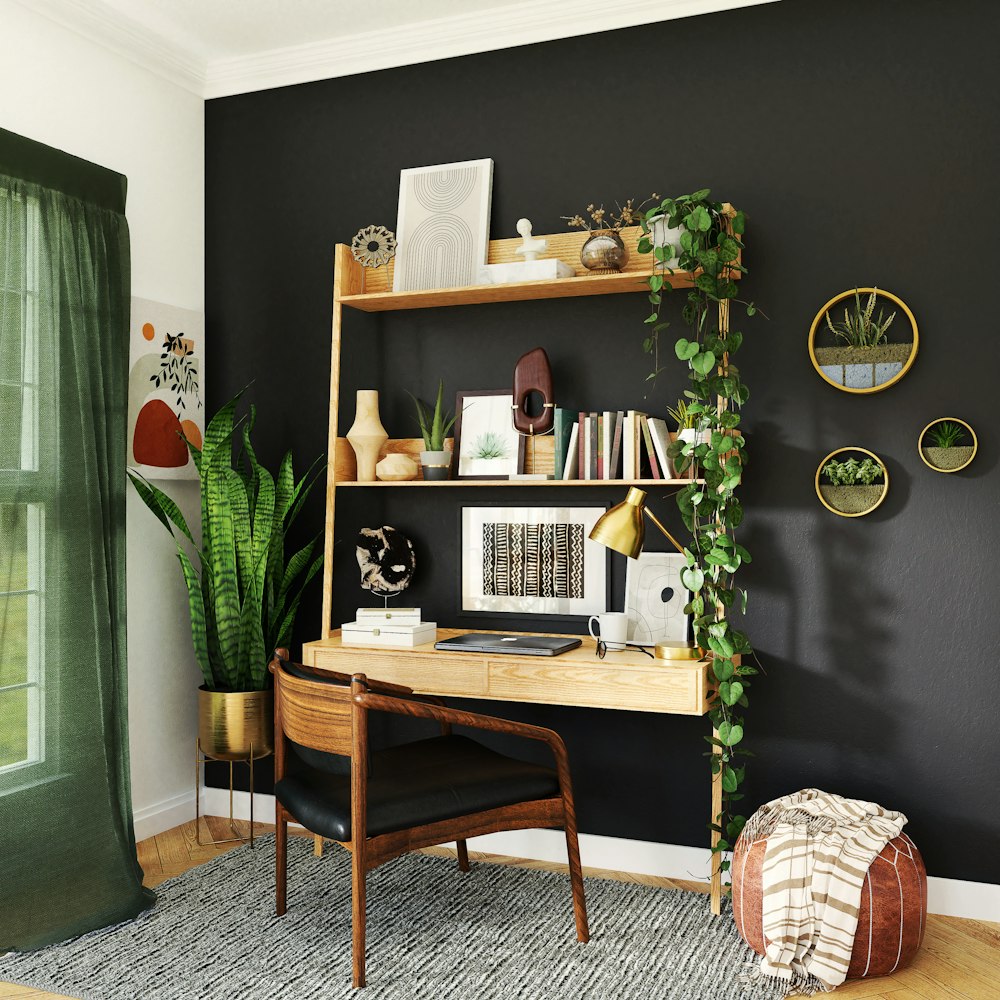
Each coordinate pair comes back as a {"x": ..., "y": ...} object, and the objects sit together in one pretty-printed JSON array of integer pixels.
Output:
[{"x": 677, "y": 650}]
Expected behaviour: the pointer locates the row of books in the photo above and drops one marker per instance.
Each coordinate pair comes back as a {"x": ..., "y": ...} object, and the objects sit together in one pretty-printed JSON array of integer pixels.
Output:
[{"x": 615, "y": 444}]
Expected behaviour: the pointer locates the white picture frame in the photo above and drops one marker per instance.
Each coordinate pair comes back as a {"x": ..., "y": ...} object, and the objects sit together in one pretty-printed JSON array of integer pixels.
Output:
[
  {"x": 442, "y": 225},
  {"x": 484, "y": 425},
  {"x": 655, "y": 599},
  {"x": 530, "y": 560}
]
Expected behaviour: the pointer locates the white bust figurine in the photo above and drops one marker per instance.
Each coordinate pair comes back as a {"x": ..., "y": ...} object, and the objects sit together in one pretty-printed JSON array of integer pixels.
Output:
[{"x": 531, "y": 248}]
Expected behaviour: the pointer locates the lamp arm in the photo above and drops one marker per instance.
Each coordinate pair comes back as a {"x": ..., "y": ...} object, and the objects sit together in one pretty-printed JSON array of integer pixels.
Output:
[{"x": 673, "y": 541}]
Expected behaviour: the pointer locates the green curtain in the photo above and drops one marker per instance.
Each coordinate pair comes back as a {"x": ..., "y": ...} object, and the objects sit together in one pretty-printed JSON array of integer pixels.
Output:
[{"x": 67, "y": 847}]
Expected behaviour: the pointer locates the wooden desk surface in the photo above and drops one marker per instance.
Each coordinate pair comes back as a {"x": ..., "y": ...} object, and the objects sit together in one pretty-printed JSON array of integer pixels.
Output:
[{"x": 627, "y": 680}]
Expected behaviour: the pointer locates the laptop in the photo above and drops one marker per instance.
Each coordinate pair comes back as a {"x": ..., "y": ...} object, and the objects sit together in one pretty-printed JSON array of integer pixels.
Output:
[{"x": 523, "y": 645}]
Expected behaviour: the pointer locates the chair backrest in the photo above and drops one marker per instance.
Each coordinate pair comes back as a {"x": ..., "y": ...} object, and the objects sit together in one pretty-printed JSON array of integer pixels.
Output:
[{"x": 314, "y": 713}]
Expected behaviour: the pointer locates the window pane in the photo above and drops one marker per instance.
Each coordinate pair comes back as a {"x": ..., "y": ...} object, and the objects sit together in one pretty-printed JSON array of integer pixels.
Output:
[
  {"x": 13, "y": 547},
  {"x": 14, "y": 624},
  {"x": 10, "y": 422},
  {"x": 14, "y": 707},
  {"x": 11, "y": 314}
]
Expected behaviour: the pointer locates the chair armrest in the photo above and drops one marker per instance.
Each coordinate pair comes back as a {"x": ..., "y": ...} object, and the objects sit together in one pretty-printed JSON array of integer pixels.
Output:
[{"x": 456, "y": 717}]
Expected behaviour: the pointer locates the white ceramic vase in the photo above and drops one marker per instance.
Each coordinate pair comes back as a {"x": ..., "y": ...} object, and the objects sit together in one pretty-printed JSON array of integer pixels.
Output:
[
  {"x": 367, "y": 435},
  {"x": 661, "y": 234}
]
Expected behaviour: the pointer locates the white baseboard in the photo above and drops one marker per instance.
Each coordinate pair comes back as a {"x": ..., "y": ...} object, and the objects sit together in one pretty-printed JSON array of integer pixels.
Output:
[
  {"x": 165, "y": 815},
  {"x": 947, "y": 896}
]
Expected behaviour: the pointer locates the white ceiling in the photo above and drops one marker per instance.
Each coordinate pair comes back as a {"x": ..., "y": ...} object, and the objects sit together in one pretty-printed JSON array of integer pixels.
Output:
[{"x": 221, "y": 47}]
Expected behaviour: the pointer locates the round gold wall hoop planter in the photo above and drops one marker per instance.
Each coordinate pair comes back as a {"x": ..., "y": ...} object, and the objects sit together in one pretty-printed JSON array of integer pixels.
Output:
[
  {"x": 851, "y": 496},
  {"x": 863, "y": 370},
  {"x": 950, "y": 452}
]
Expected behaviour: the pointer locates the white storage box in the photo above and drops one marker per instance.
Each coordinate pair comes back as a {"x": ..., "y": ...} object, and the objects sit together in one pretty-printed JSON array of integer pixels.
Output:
[
  {"x": 387, "y": 634},
  {"x": 401, "y": 616}
]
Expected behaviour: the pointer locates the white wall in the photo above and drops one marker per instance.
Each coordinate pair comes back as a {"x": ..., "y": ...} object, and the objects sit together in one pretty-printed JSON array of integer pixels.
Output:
[{"x": 59, "y": 88}]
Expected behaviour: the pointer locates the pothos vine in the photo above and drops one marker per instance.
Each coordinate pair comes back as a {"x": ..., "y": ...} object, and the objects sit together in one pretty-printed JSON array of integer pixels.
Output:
[{"x": 709, "y": 247}]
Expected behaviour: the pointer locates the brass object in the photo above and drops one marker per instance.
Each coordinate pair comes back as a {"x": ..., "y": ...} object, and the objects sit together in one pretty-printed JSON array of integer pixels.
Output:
[
  {"x": 604, "y": 252},
  {"x": 966, "y": 452},
  {"x": 907, "y": 364},
  {"x": 231, "y": 722},
  {"x": 622, "y": 528},
  {"x": 824, "y": 499},
  {"x": 200, "y": 760},
  {"x": 677, "y": 649}
]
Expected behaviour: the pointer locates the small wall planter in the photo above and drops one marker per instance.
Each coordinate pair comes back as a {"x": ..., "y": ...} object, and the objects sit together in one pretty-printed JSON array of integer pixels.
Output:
[
  {"x": 953, "y": 457},
  {"x": 855, "y": 499},
  {"x": 863, "y": 369}
]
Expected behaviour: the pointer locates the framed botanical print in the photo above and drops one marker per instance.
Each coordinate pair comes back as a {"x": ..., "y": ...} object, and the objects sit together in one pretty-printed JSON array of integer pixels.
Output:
[
  {"x": 655, "y": 598},
  {"x": 529, "y": 560},
  {"x": 486, "y": 444}
]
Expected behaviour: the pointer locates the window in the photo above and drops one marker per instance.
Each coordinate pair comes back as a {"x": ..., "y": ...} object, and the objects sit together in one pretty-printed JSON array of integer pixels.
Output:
[{"x": 22, "y": 536}]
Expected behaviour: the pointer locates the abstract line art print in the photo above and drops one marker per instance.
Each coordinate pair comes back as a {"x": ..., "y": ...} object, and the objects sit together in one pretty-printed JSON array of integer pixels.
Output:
[
  {"x": 532, "y": 560},
  {"x": 655, "y": 599},
  {"x": 443, "y": 225}
]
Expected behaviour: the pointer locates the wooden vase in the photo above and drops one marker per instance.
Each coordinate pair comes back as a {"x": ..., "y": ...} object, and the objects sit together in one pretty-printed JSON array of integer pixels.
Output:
[{"x": 367, "y": 435}]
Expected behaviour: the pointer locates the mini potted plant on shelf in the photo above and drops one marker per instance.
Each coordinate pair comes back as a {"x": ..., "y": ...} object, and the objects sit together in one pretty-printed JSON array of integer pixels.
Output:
[
  {"x": 853, "y": 487},
  {"x": 603, "y": 250},
  {"x": 434, "y": 426},
  {"x": 942, "y": 447},
  {"x": 687, "y": 432},
  {"x": 245, "y": 594}
]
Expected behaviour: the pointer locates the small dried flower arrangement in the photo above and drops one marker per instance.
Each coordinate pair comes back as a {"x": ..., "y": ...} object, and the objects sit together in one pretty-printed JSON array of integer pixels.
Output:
[{"x": 599, "y": 218}]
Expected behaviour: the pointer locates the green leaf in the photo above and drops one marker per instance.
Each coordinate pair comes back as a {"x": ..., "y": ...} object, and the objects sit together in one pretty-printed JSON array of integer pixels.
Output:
[
  {"x": 686, "y": 349},
  {"x": 729, "y": 781},
  {"x": 722, "y": 668},
  {"x": 731, "y": 691},
  {"x": 703, "y": 363},
  {"x": 730, "y": 734},
  {"x": 692, "y": 578}
]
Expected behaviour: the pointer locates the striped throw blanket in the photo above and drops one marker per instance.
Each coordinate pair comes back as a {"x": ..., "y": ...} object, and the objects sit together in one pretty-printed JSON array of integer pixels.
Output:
[{"x": 819, "y": 849}]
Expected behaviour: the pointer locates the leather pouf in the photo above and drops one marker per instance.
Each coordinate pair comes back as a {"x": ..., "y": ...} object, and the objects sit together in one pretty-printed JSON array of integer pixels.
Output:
[{"x": 893, "y": 906}]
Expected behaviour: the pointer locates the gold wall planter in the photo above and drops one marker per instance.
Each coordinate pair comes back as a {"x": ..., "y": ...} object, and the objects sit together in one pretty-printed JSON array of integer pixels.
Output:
[
  {"x": 855, "y": 500},
  {"x": 859, "y": 369},
  {"x": 230, "y": 721},
  {"x": 947, "y": 459}
]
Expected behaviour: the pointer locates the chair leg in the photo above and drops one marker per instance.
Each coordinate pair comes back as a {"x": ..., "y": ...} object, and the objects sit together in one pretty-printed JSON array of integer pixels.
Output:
[
  {"x": 358, "y": 916},
  {"x": 576, "y": 876},
  {"x": 281, "y": 856},
  {"x": 463, "y": 856}
]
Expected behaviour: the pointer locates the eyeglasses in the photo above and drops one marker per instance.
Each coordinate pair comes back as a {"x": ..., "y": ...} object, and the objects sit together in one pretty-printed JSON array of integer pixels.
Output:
[{"x": 602, "y": 648}]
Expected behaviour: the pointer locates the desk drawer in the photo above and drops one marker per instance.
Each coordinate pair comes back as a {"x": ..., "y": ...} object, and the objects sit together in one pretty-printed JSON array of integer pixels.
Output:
[
  {"x": 679, "y": 690},
  {"x": 425, "y": 673}
]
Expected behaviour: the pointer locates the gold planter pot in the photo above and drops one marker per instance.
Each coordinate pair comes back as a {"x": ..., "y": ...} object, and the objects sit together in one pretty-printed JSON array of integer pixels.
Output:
[{"x": 231, "y": 722}]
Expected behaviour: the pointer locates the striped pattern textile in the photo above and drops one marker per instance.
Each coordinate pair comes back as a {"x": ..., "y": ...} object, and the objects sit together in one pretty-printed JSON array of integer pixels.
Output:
[
  {"x": 819, "y": 849},
  {"x": 533, "y": 560}
]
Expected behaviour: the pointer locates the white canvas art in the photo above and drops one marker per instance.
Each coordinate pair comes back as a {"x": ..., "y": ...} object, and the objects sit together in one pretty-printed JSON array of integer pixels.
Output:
[
  {"x": 533, "y": 560},
  {"x": 488, "y": 447},
  {"x": 443, "y": 225},
  {"x": 166, "y": 387},
  {"x": 655, "y": 599}
]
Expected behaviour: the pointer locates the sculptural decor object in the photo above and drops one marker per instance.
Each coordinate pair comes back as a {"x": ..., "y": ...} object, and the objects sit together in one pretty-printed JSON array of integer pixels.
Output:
[
  {"x": 386, "y": 559},
  {"x": 372, "y": 247},
  {"x": 532, "y": 378},
  {"x": 531, "y": 268},
  {"x": 367, "y": 435}
]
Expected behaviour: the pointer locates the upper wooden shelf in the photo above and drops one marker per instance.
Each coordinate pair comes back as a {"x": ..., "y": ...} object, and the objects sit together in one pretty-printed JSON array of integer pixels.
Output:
[{"x": 371, "y": 291}]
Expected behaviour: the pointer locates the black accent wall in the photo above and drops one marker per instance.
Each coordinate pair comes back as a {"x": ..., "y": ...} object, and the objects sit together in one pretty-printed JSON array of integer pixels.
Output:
[{"x": 862, "y": 141}]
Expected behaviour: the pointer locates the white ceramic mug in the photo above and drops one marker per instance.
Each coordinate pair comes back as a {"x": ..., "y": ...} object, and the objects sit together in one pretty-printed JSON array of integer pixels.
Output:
[{"x": 613, "y": 626}]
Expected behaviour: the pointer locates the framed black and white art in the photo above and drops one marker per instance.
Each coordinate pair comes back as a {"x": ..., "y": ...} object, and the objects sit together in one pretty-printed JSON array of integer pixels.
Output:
[
  {"x": 655, "y": 599},
  {"x": 527, "y": 560}
]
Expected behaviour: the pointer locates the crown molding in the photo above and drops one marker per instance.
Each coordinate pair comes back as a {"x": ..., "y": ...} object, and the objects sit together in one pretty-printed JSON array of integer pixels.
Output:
[
  {"x": 126, "y": 37},
  {"x": 442, "y": 38}
]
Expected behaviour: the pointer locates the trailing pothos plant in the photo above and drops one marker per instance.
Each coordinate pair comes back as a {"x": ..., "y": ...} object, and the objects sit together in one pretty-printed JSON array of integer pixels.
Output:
[{"x": 710, "y": 245}]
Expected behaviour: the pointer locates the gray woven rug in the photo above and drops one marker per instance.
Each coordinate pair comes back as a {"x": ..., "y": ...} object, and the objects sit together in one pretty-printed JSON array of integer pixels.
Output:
[{"x": 433, "y": 932}]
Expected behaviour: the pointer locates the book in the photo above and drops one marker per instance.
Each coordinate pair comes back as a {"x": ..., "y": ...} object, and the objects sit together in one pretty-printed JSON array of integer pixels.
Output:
[
  {"x": 608, "y": 428},
  {"x": 650, "y": 451},
  {"x": 581, "y": 467},
  {"x": 561, "y": 428},
  {"x": 571, "y": 466},
  {"x": 585, "y": 434},
  {"x": 600, "y": 446},
  {"x": 592, "y": 467},
  {"x": 616, "y": 444},
  {"x": 661, "y": 442}
]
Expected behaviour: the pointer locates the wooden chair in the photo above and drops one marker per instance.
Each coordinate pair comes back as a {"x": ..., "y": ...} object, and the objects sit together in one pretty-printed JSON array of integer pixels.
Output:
[{"x": 386, "y": 803}]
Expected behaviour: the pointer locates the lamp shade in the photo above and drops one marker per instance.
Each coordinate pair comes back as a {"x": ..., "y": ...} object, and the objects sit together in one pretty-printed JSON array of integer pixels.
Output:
[{"x": 622, "y": 528}]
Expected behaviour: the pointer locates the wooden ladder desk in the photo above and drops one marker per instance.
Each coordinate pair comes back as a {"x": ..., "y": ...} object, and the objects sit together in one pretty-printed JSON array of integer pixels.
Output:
[{"x": 627, "y": 680}]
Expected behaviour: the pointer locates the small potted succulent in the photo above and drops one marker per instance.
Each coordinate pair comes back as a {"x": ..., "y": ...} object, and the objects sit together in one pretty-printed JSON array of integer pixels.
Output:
[
  {"x": 853, "y": 487},
  {"x": 687, "y": 432},
  {"x": 943, "y": 447},
  {"x": 862, "y": 357},
  {"x": 435, "y": 460}
]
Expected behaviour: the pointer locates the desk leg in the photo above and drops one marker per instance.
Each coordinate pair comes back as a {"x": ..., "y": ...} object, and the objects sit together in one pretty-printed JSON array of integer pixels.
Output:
[
  {"x": 716, "y": 858},
  {"x": 317, "y": 845}
]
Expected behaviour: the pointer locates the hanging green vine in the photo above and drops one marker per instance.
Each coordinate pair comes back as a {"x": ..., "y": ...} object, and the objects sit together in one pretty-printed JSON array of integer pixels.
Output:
[{"x": 710, "y": 244}]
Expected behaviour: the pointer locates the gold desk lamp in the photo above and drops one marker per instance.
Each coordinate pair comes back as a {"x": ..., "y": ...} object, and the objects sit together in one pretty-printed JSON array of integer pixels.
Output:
[{"x": 623, "y": 529}]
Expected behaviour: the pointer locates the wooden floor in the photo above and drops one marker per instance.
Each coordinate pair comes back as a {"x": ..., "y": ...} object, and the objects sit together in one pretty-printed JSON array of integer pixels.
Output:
[{"x": 960, "y": 959}]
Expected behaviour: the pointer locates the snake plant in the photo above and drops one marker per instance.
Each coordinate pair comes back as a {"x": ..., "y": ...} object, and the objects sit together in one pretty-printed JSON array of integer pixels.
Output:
[{"x": 244, "y": 595}]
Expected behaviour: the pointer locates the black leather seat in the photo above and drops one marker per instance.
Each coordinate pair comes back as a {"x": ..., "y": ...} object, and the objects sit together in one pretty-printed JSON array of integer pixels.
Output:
[{"x": 411, "y": 785}]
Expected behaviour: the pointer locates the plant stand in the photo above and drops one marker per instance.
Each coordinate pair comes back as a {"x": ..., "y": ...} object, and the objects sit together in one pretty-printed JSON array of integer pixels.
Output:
[{"x": 200, "y": 760}]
